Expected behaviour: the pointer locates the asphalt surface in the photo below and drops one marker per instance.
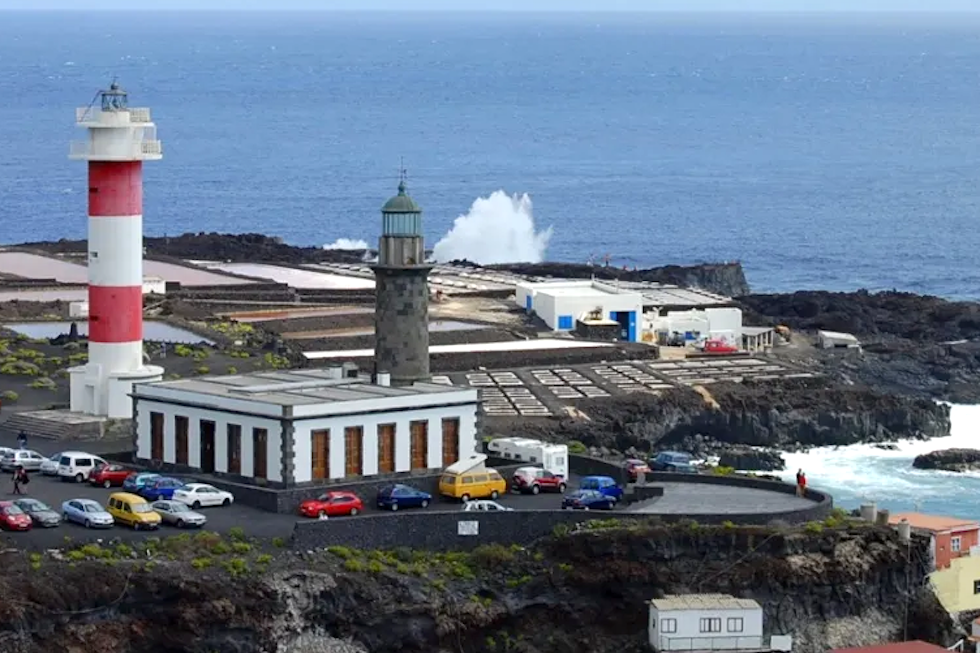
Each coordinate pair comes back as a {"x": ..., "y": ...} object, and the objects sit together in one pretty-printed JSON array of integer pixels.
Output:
[{"x": 705, "y": 499}]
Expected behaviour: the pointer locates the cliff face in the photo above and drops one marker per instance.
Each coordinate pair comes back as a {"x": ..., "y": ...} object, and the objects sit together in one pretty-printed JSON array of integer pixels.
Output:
[
  {"x": 580, "y": 592},
  {"x": 781, "y": 414}
]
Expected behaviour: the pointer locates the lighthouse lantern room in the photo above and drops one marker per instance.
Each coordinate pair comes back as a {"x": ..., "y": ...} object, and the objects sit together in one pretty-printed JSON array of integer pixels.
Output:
[{"x": 120, "y": 139}]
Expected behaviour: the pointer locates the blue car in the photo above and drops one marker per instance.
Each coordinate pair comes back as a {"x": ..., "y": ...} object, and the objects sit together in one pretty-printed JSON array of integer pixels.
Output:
[
  {"x": 604, "y": 484},
  {"x": 160, "y": 489},
  {"x": 86, "y": 512},
  {"x": 394, "y": 497},
  {"x": 587, "y": 500},
  {"x": 136, "y": 482}
]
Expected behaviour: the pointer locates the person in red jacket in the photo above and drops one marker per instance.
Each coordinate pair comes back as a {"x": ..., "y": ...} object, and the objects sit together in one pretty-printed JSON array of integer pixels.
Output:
[{"x": 800, "y": 484}]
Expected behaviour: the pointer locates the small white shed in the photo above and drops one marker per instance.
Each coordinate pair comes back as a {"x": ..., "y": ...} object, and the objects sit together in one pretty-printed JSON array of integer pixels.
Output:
[
  {"x": 705, "y": 622},
  {"x": 837, "y": 340}
]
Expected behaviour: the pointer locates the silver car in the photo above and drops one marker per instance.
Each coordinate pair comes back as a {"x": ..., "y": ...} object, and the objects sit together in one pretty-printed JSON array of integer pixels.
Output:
[
  {"x": 40, "y": 513},
  {"x": 179, "y": 514},
  {"x": 49, "y": 466},
  {"x": 29, "y": 460}
]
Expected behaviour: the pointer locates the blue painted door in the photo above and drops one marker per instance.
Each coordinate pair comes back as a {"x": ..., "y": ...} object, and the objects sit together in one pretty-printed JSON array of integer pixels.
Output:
[{"x": 528, "y": 302}]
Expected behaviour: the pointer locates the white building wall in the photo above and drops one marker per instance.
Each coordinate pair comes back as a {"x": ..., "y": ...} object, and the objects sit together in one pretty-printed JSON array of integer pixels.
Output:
[
  {"x": 545, "y": 308},
  {"x": 712, "y": 323},
  {"x": 466, "y": 413},
  {"x": 221, "y": 420},
  {"x": 521, "y": 292},
  {"x": 688, "y": 635},
  {"x": 725, "y": 324},
  {"x": 579, "y": 305}
]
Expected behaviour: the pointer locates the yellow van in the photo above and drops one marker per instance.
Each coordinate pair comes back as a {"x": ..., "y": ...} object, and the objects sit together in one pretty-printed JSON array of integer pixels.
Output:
[
  {"x": 132, "y": 510},
  {"x": 471, "y": 479}
]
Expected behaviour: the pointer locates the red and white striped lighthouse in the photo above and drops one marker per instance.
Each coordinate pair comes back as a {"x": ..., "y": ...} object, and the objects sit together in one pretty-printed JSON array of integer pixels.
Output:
[{"x": 120, "y": 138}]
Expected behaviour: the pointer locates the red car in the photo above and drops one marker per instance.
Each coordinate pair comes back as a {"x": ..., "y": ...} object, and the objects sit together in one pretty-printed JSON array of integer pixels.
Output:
[
  {"x": 108, "y": 475},
  {"x": 635, "y": 467},
  {"x": 332, "y": 504},
  {"x": 13, "y": 518},
  {"x": 719, "y": 347},
  {"x": 536, "y": 479}
]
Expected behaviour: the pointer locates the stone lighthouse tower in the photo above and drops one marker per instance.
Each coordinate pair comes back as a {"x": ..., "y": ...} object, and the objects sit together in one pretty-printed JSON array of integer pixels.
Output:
[{"x": 401, "y": 277}]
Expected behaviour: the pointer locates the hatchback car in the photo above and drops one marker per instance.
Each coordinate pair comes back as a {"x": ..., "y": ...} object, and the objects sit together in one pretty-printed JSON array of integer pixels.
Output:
[
  {"x": 162, "y": 488},
  {"x": 12, "y": 518},
  {"x": 40, "y": 513},
  {"x": 587, "y": 500},
  {"x": 29, "y": 460},
  {"x": 604, "y": 484},
  {"x": 197, "y": 495},
  {"x": 332, "y": 504},
  {"x": 534, "y": 480},
  {"x": 484, "y": 505},
  {"x": 86, "y": 512},
  {"x": 179, "y": 514},
  {"x": 673, "y": 461},
  {"x": 398, "y": 496},
  {"x": 109, "y": 475},
  {"x": 136, "y": 481},
  {"x": 635, "y": 467}
]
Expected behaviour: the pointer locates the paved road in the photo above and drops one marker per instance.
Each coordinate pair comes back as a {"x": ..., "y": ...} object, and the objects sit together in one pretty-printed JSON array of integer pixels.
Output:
[{"x": 704, "y": 499}]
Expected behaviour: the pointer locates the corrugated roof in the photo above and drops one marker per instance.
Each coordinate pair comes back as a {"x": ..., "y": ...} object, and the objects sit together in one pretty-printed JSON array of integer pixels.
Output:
[
  {"x": 933, "y": 523},
  {"x": 915, "y": 646},
  {"x": 703, "y": 602}
]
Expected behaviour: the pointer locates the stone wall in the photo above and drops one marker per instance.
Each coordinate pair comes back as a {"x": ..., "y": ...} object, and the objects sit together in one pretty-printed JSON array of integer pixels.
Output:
[{"x": 402, "y": 327}]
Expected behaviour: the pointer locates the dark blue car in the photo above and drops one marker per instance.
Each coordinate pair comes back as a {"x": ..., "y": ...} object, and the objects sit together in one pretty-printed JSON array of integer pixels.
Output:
[
  {"x": 603, "y": 484},
  {"x": 394, "y": 497},
  {"x": 587, "y": 500},
  {"x": 161, "y": 489},
  {"x": 136, "y": 482}
]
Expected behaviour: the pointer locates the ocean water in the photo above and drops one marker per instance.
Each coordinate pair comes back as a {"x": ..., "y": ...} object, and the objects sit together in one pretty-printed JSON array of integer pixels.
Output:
[{"x": 822, "y": 151}]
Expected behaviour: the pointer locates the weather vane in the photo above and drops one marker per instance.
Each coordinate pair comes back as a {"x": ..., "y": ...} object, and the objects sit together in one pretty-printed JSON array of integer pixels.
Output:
[{"x": 402, "y": 172}]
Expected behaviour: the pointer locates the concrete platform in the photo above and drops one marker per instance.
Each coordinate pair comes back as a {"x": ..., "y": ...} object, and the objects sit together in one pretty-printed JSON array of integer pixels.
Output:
[
  {"x": 705, "y": 499},
  {"x": 64, "y": 425}
]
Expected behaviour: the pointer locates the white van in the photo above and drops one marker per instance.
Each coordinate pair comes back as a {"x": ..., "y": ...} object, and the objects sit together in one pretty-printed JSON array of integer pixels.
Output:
[{"x": 75, "y": 465}]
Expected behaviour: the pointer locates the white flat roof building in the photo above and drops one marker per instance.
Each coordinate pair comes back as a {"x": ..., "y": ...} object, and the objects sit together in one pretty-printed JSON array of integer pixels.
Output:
[
  {"x": 709, "y": 622},
  {"x": 836, "y": 339},
  {"x": 561, "y": 304},
  {"x": 302, "y": 426}
]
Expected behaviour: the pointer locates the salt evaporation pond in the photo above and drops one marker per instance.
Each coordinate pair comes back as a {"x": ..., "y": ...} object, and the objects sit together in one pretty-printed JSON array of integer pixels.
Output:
[{"x": 157, "y": 331}]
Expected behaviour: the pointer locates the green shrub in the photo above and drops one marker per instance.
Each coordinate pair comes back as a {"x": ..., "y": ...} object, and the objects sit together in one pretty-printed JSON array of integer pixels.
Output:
[
  {"x": 20, "y": 368},
  {"x": 728, "y": 525},
  {"x": 517, "y": 582},
  {"x": 576, "y": 447},
  {"x": 342, "y": 552},
  {"x": 278, "y": 542},
  {"x": 353, "y": 564},
  {"x": 231, "y": 370},
  {"x": 235, "y": 566},
  {"x": 241, "y": 547},
  {"x": 201, "y": 563},
  {"x": 9, "y": 397},
  {"x": 29, "y": 354},
  {"x": 813, "y": 527},
  {"x": 44, "y": 383},
  {"x": 263, "y": 559},
  {"x": 375, "y": 567},
  {"x": 565, "y": 567},
  {"x": 237, "y": 533},
  {"x": 220, "y": 549},
  {"x": 492, "y": 555},
  {"x": 722, "y": 471}
]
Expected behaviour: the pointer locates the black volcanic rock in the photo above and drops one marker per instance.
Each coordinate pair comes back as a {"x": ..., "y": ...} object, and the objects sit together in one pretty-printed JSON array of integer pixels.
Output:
[
  {"x": 949, "y": 460},
  {"x": 752, "y": 459}
]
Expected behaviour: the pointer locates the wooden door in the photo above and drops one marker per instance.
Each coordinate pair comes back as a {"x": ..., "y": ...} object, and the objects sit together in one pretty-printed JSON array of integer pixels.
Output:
[
  {"x": 419, "y": 444},
  {"x": 234, "y": 449},
  {"x": 353, "y": 437},
  {"x": 207, "y": 446},
  {"x": 320, "y": 455},
  {"x": 450, "y": 441},
  {"x": 156, "y": 436},
  {"x": 386, "y": 448},
  {"x": 181, "y": 430},
  {"x": 260, "y": 453}
]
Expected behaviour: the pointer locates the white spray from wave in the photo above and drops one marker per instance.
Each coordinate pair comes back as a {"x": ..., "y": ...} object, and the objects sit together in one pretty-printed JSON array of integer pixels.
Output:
[
  {"x": 346, "y": 243},
  {"x": 497, "y": 229}
]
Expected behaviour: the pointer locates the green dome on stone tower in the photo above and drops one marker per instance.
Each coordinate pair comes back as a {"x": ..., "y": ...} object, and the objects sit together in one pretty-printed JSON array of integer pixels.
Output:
[{"x": 401, "y": 203}]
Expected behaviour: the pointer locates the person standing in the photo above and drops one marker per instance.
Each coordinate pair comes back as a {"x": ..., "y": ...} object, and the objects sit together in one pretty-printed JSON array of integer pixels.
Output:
[
  {"x": 22, "y": 439},
  {"x": 18, "y": 479},
  {"x": 800, "y": 483}
]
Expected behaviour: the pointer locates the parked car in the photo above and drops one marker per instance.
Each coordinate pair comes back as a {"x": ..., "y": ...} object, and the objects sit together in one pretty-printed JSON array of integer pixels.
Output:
[
  {"x": 398, "y": 496},
  {"x": 162, "y": 488},
  {"x": 635, "y": 467},
  {"x": 86, "y": 512},
  {"x": 76, "y": 465},
  {"x": 29, "y": 460},
  {"x": 332, "y": 504},
  {"x": 484, "y": 505},
  {"x": 178, "y": 514},
  {"x": 109, "y": 475},
  {"x": 136, "y": 481},
  {"x": 673, "y": 461},
  {"x": 535, "y": 480},
  {"x": 12, "y": 518},
  {"x": 132, "y": 510},
  {"x": 40, "y": 513},
  {"x": 200, "y": 494},
  {"x": 49, "y": 466},
  {"x": 604, "y": 484},
  {"x": 587, "y": 500}
]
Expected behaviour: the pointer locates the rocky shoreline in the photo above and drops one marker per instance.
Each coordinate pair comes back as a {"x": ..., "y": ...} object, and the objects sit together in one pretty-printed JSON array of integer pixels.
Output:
[{"x": 949, "y": 460}]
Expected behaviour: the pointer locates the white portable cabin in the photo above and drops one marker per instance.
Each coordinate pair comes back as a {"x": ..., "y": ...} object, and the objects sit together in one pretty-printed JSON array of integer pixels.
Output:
[
  {"x": 552, "y": 457},
  {"x": 475, "y": 463},
  {"x": 709, "y": 622}
]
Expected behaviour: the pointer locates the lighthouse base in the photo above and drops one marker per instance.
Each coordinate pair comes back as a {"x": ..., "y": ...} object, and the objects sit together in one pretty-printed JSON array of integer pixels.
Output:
[{"x": 94, "y": 392}]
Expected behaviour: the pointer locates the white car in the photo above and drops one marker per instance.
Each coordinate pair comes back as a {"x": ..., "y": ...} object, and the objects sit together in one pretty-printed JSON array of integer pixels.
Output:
[
  {"x": 484, "y": 506},
  {"x": 198, "y": 495},
  {"x": 76, "y": 465},
  {"x": 49, "y": 466}
]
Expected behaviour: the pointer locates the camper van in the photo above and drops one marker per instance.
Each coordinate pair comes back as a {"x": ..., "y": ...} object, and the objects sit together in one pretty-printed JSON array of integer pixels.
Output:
[
  {"x": 552, "y": 457},
  {"x": 470, "y": 478}
]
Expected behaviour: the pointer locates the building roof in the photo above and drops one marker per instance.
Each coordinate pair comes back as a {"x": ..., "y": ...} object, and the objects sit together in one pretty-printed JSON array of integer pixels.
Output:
[
  {"x": 703, "y": 602},
  {"x": 837, "y": 335},
  {"x": 755, "y": 331},
  {"x": 303, "y": 387},
  {"x": 663, "y": 294},
  {"x": 401, "y": 203},
  {"x": 915, "y": 646},
  {"x": 933, "y": 523}
]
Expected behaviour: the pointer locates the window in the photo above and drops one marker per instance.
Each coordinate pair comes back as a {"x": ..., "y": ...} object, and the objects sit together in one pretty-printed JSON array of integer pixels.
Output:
[
  {"x": 234, "y": 449},
  {"x": 668, "y": 625},
  {"x": 156, "y": 436},
  {"x": 182, "y": 427},
  {"x": 565, "y": 322},
  {"x": 419, "y": 444},
  {"x": 450, "y": 441},
  {"x": 976, "y": 587},
  {"x": 353, "y": 436},
  {"x": 260, "y": 453},
  {"x": 955, "y": 543},
  {"x": 386, "y": 448},
  {"x": 710, "y": 624},
  {"x": 735, "y": 624}
]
